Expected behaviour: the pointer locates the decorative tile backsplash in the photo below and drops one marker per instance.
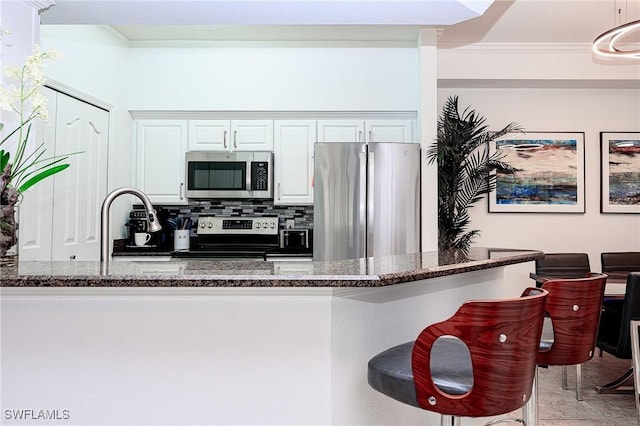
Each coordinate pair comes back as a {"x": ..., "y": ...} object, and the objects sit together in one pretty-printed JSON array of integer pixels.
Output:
[{"x": 302, "y": 215}]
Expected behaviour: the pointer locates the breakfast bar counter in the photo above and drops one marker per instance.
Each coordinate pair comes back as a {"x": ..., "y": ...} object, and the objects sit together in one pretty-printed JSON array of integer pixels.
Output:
[
  {"x": 194, "y": 342},
  {"x": 370, "y": 272}
]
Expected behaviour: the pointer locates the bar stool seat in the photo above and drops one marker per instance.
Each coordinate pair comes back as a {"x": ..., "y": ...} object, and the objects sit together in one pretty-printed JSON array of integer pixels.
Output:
[
  {"x": 478, "y": 363},
  {"x": 390, "y": 371}
]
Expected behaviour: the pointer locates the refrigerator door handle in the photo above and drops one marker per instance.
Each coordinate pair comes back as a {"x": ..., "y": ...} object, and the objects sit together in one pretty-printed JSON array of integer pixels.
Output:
[
  {"x": 362, "y": 213},
  {"x": 370, "y": 203}
]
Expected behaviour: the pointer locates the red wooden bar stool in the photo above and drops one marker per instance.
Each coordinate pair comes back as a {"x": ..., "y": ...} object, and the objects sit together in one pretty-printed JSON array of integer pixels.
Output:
[
  {"x": 478, "y": 363},
  {"x": 574, "y": 306}
]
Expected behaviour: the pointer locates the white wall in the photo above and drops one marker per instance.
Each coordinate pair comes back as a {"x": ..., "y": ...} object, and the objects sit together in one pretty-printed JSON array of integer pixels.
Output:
[
  {"x": 268, "y": 78},
  {"x": 584, "y": 110},
  {"x": 21, "y": 23},
  {"x": 94, "y": 61},
  {"x": 331, "y": 77}
]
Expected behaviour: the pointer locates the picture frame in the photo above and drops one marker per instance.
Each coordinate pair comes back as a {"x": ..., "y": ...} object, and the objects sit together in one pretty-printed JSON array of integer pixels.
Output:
[
  {"x": 620, "y": 172},
  {"x": 550, "y": 177}
]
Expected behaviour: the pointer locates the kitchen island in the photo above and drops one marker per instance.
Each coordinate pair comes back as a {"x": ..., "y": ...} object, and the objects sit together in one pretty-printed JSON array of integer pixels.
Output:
[{"x": 211, "y": 343}]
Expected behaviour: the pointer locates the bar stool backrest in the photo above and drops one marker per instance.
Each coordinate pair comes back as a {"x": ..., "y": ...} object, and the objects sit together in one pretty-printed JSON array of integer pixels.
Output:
[
  {"x": 574, "y": 306},
  {"x": 503, "y": 337}
]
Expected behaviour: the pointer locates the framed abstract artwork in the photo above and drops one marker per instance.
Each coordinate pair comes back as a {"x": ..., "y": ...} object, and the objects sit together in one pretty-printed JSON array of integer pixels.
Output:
[
  {"x": 549, "y": 177},
  {"x": 620, "y": 172}
]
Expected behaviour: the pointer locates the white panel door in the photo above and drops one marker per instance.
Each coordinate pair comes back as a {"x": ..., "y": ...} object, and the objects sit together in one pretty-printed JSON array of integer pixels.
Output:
[
  {"x": 36, "y": 207},
  {"x": 161, "y": 148},
  {"x": 209, "y": 135},
  {"x": 80, "y": 189},
  {"x": 252, "y": 135},
  {"x": 390, "y": 130},
  {"x": 293, "y": 161},
  {"x": 341, "y": 131}
]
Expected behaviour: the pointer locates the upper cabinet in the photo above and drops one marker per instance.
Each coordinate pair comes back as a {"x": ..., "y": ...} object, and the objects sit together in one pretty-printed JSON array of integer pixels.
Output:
[
  {"x": 160, "y": 149},
  {"x": 293, "y": 161},
  {"x": 230, "y": 135},
  {"x": 376, "y": 130}
]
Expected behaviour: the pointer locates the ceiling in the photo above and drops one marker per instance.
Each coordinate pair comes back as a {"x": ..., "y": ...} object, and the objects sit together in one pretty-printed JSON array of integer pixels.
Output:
[{"x": 463, "y": 21}]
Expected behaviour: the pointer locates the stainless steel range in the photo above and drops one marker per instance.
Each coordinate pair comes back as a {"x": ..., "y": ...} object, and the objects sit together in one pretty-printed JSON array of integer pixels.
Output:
[{"x": 234, "y": 238}]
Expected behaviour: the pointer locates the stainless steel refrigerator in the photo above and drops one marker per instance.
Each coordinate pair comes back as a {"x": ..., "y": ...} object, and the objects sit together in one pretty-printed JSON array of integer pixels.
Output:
[{"x": 366, "y": 200}]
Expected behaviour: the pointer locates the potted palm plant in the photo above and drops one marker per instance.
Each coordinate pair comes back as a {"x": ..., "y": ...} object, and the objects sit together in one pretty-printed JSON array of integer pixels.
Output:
[
  {"x": 22, "y": 166},
  {"x": 465, "y": 163}
]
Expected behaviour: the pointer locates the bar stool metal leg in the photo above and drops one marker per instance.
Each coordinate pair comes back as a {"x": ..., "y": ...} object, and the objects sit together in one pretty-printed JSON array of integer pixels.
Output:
[
  {"x": 579, "y": 382},
  {"x": 530, "y": 409},
  {"x": 446, "y": 420}
]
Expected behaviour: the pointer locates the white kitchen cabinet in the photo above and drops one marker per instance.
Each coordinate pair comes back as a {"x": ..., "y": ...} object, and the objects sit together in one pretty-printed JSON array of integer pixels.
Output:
[
  {"x": 375, "y": 130},
  {"x": 293, "y": 161},
  {"x": 60, "y": 216},
  {"x": 160, "y": 149},
  {"x": 230, "y": 135}
]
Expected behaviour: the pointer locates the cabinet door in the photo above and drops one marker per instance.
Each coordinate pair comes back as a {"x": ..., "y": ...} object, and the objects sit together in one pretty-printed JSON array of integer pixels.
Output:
[
  {"x": 293, "y": 161},
  {"x": 252, "y": 135},
  {"x": 209, "y": 135},
  {"x": 340, "y": 130},
  {"x": 390, "y": 130},
  {"x": 161, "y": 147}
]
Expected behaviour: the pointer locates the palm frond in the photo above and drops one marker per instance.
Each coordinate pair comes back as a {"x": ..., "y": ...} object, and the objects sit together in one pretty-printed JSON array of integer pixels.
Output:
[{"x": 466, "y": 169}]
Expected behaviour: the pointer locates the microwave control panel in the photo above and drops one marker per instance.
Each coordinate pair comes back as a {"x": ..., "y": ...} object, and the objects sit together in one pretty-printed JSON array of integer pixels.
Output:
[
  {"x": 259, "y": 176},
  {"x": 216, "y": 225}
]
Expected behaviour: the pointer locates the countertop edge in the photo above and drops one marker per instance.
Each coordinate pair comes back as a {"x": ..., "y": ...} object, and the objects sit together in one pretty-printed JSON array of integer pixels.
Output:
[{"x": 266, "y": 281}]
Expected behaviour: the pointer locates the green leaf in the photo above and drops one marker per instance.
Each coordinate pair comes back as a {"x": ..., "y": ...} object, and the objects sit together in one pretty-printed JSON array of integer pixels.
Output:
[
  {"x": 4, "y": 159},
  {"x": 42, "y": 175}
]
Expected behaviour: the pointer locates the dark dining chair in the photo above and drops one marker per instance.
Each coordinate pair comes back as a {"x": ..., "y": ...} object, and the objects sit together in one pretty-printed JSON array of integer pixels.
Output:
[
  {"x": 478, "y": 363},
  {"x": 618, "y": 264},
  {"x": 614, "y": 335},
  {"x": 573, "y": 308},
  {"x": 561, "y": 265}
]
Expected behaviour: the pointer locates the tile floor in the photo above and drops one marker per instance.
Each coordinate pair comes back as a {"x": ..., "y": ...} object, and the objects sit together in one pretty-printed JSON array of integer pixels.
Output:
[{"x": 559, "y": 407}]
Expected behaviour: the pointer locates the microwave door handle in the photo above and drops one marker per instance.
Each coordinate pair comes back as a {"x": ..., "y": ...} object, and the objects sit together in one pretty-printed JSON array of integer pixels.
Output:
[{"x": 249, "y": 176}]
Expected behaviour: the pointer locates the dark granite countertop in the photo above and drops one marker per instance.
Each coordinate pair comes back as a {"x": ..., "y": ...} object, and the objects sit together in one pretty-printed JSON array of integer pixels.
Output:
[{"x": 370, "y": 272}]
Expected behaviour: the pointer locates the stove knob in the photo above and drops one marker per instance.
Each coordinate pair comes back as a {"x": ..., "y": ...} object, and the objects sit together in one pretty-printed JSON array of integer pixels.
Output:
[
  {"x": 209, "y": 225},
  {"x": 202, "y": 225},
  {"x": 273, "y": 225}
]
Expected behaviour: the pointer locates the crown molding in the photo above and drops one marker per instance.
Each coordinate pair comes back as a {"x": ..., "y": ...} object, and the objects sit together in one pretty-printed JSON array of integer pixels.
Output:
[
  {"x": 270, "y": 115},
  {"x": 40, "y": 4},
  {"x": 515, "y": 48}
]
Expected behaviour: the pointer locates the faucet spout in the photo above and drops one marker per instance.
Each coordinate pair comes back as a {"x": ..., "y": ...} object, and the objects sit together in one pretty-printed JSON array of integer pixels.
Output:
[{"x": 154, "y": 223}]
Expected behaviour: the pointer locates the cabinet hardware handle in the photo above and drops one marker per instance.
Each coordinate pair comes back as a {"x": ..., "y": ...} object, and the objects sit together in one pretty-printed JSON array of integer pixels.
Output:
[
  {"x": 235, "y": 138},
  {"x": 181, "y": 190},
  {"x": 224, "y": 139},
  {"x": 370, "y": 136},
  {"x": 278, "y": 192},
  {"x": 359, "y": 135},
  {"x": 72, "y": 257}
]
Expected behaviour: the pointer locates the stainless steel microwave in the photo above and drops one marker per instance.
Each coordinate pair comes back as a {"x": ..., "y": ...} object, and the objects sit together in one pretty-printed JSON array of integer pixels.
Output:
[{"x": 222, "y": 174}]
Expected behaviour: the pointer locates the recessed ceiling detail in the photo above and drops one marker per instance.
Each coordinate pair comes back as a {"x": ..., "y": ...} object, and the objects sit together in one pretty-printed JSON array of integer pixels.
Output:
[{"x": 262, "y": 12}]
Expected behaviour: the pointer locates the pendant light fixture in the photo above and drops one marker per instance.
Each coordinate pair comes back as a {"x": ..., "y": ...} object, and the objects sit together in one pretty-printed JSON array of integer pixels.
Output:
[{"x": 609, "y": 42}]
